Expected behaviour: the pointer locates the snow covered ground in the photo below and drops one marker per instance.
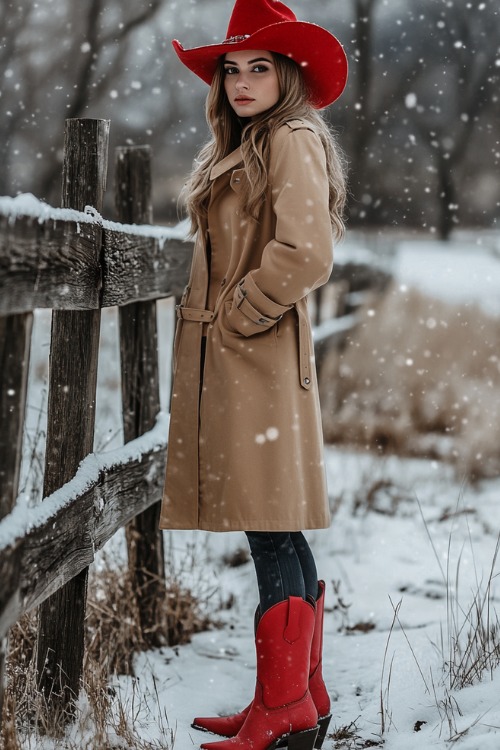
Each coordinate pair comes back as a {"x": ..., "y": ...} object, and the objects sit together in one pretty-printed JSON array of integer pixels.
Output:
[
  {"x": 465, "y": 272},
  {"x": 423, "y": 543}
]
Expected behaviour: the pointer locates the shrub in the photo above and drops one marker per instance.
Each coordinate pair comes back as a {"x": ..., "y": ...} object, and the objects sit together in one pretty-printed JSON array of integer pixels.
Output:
[{"x": 418, "y": 377}]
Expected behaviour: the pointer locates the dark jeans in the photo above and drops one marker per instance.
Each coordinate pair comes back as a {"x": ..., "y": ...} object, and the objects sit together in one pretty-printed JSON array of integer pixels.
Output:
[{"x": 284, "y": 565}]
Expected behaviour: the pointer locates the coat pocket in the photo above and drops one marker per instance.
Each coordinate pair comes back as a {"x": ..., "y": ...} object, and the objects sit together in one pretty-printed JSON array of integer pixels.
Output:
[
  {"x": 233, "y": 338},
  {"x": 228, "y": 306}
]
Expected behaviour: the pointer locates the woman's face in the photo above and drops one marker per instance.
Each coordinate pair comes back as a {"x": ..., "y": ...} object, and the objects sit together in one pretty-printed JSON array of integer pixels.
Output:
[{"x": 250, "y": 82}]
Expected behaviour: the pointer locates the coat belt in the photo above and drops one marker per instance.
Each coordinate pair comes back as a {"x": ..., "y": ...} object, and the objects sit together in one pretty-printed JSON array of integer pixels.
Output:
[{"x": 194, "y": 314}]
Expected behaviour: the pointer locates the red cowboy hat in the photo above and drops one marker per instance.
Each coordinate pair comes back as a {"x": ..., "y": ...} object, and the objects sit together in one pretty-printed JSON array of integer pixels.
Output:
[{"x": 270, "y": 25}]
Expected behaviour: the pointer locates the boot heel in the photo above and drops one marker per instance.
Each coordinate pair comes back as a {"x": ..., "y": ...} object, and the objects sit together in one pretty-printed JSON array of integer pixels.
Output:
[
  {"x": 303, "y": 740},
  {"x": 323, "y": 728}
]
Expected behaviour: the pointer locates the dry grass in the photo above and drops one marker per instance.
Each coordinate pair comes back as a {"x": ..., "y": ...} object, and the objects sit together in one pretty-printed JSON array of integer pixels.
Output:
[
  {"x": 113, "y": 637},
  {"x": 346, "y": 737},
  {"x": 418, "y": 377},
  {"x": 469, "y": 647}
]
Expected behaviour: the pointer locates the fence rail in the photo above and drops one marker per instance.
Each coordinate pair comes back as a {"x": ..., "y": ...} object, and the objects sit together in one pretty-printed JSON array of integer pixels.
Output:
[
  {"x": 53, "y": 264},
  {"x": 62, "y": 535}
]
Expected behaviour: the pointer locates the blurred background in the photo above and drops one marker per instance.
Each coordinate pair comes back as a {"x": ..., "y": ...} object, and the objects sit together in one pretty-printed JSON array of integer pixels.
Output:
[{"x": 420, "y": 118}]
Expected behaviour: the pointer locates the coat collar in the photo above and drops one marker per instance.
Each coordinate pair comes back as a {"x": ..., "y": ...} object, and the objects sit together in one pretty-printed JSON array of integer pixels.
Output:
[{"x": 228, "y": 162}]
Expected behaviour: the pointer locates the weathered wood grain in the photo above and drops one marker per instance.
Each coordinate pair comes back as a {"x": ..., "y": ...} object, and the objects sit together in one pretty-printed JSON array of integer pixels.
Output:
[
  {"x": 73, "y": 361},
  {"x": 85, "y": 163},
  {"x": 35, "y": 566},
  {"x": 133, "y": 184},
  {"x": 15, "y": 339},
  {"x": 51, "y": 264},
  {"x": 54, "y": 265},
  {"x": 143, "y": 268},
  {"x": 140, "y": 394}
]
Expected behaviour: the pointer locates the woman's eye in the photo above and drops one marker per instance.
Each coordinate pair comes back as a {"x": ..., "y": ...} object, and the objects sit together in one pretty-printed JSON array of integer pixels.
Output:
[{"x": 232, "y": 70}]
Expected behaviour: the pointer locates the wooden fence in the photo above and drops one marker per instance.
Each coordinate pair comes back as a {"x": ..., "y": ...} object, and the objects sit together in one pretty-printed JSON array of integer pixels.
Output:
[{"x": 75, "y": 264}]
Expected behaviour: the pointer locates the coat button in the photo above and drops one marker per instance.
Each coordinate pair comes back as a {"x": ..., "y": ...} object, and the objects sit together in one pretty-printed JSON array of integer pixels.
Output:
[{"x": 306, "y": 381}]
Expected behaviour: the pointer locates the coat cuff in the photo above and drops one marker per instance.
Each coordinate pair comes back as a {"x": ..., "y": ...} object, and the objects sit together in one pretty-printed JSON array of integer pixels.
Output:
[{"x": 252, "y": 311}]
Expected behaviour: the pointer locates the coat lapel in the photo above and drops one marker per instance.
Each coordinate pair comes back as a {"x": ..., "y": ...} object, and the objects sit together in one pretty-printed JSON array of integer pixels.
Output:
[{"x": 228, "y": 162}]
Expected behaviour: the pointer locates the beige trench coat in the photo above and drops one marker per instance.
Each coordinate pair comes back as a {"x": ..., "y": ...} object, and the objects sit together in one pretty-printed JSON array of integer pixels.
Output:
[{"x": 246, "y": 453}]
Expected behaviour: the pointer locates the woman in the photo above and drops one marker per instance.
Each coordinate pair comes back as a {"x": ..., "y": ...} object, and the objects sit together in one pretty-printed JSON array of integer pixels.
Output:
[{"x": 245, "y": 443}]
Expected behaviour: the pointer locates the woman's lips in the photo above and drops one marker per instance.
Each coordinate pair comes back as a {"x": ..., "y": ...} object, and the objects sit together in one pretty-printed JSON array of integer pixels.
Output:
[{"x": 244, "y": 100}]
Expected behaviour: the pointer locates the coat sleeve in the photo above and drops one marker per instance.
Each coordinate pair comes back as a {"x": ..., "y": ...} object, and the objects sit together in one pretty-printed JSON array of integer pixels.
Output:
[{"x": 300, "y": 256}]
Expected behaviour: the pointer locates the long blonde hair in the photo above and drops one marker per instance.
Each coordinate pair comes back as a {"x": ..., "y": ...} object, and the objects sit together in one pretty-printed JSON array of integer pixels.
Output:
[{"x": 254, "y": 136}]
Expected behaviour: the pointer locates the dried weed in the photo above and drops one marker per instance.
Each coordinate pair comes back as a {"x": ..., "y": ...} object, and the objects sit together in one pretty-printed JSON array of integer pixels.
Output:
[
  {"x": 418, "y": 377},
  {"x": 113, "y": 636}
]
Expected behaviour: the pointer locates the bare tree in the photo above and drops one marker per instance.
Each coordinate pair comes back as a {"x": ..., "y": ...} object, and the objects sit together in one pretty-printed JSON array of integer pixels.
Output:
[
  {"x": 464, "y": 90},
  {"x": 60, "y": 62},
  {"x": 15, "y": 19},
  {"x": 87, "y": 85},
  {"x": 423, "y": 81},
  {"x": 374, "y": 94}
]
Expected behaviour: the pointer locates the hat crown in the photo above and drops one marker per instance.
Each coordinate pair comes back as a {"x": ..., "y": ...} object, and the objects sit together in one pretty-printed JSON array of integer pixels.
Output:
[
  {"x": 249, "y": 16},
  {"x": 271, "y": 25}
]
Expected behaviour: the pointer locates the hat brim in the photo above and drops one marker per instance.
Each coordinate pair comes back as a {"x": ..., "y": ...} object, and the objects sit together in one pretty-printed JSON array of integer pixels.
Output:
[{"x": 319, "y": 54}]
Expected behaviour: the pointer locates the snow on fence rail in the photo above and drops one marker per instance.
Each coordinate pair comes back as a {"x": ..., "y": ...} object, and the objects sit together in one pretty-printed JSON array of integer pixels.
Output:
[
  {"x": 60, "y": 536},
  {"x": 47, "y": 259},
  {"x": 75, "y": 262}
]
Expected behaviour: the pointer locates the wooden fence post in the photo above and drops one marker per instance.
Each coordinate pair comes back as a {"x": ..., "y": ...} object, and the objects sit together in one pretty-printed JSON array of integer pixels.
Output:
[
  {"x": 140, "y": 394},
  {"x": 15, "y": 339},
  {"x": 70, "y": 424}
]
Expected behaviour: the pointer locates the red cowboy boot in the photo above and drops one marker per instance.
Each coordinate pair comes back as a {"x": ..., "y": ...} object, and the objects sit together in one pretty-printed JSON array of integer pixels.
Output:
[
  {"x": 282, "y": 708},
  {"x": 226, "y": 726},
  {"x": 229, "y": 726}
]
